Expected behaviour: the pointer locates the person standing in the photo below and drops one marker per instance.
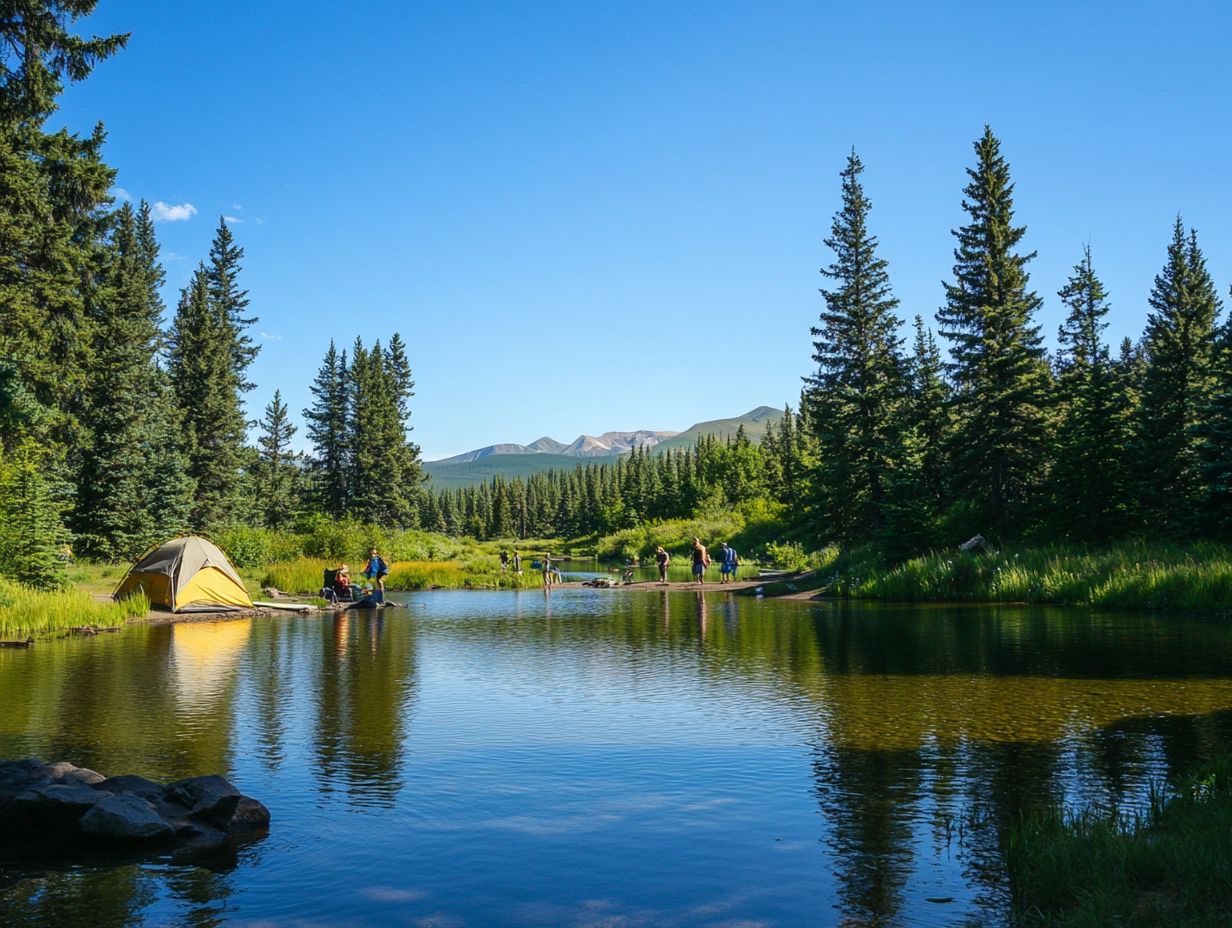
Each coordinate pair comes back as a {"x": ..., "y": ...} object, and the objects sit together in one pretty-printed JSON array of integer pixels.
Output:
[
  {"x": 727, "y": 563},
  {"x": 517, "y": 562},
  {"x": 547, "y": 573},
  {"x": 701, "y": 560},
  {"x": 662, "y": 558},
  {"x": 504, "y": 559},
  {"x": 376, "y": 570}
]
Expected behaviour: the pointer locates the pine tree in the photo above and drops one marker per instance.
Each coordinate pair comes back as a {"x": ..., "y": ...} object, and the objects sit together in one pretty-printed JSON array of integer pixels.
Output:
[
  {"x": 855, "y": 395},
  {"x": 1177, "y": 384},
  {"x": 32, "y": 533},
  {"x": 126, "y": 403},
  {"x": 385, "y": 474},
  {"x": 928, "y": 416},
  {"x": 998, "y": 369},
  {"x": 277, "y": 476},
  {"x": 200, "y": 356},
  {"x": 1215, "y": 442},
  {"x": 37, "y": 53},
  {"x": 230, "y": 302},
  {"x": 328, "y": 420},
  {"x": 1088, "y": 479}
]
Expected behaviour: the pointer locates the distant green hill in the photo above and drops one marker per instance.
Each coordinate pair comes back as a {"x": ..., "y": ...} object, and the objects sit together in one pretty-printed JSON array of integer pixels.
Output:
[
  {"x": 451, "y": 476},
  {"x": 468, "y": 469},
  {"x": 754, "y": 422}
]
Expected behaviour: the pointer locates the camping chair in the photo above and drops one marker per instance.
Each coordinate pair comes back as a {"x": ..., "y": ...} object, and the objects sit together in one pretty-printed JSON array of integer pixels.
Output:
[{"x": 329, "y": 591}]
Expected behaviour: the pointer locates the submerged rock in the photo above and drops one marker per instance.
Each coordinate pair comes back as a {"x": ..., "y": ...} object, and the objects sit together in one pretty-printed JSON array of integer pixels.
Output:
[{"x": 40, "y": 800}]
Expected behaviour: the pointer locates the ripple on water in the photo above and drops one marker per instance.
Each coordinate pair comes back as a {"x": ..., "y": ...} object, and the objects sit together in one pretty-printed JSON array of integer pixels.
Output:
[{"x": 605, "y": 757}]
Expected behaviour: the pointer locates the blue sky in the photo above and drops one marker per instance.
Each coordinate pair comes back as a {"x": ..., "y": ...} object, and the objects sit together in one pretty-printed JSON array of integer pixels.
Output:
[{"x": 610, "y": 216}]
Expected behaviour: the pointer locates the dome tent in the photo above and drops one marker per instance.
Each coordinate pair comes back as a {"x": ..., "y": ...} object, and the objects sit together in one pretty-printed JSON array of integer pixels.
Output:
[{"x": 188, "y": 574}]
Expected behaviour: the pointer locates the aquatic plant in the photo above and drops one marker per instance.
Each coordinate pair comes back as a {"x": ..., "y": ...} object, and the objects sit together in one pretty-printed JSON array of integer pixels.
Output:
[{"x": 1165, "y": 867}]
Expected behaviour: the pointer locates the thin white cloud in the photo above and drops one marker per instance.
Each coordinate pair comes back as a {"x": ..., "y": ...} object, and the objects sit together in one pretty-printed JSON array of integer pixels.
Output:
[
  {"x": 181, "y": 212},
  {"x": 173, "y": 256},
  {"x": 232, "y": 220},
  {"x": 121, "y": 194},
  {"x": 236, "y": 207},
  {"x": 271, "y": 337},
  {"x": 260, "y": 221}
]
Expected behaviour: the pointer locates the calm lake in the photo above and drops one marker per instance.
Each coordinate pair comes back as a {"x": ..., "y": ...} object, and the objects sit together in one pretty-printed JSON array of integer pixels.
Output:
[{"x": 612, "y": 757}]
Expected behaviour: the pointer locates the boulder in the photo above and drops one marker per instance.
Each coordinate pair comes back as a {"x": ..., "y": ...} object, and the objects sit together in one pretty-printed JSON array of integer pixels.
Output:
[
  {"x": 249, "y": 815},
  {"x": 42, "y": 802},
  {"x": 133, "y": 784},
  {"x": 209, "y": 798},
  {"x": 16, "y": 776},
  {"x": 125, "y": 818},
  {"x": 55, "y": 804},
  {"x": 62, "y": 771}
]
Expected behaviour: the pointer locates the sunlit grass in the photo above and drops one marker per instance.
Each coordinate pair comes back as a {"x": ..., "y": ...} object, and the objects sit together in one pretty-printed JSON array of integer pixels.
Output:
[
  {"x": 304, "y": 575},
  {"x": 1195, "y": 578},
  {"x": 26, "y": 612}
]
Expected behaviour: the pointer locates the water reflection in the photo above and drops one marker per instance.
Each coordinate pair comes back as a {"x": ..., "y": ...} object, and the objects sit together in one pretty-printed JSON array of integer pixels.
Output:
[
  {"x": 788, "y": 763},
  {"x": 363, "y": 693}
]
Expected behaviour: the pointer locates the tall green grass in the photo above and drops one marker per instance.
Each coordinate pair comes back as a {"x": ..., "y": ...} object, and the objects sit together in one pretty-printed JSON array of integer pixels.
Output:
[
  {"x": 1194, "y": 578},
  {"x": 676, "y": 535},
  {"x": 303, "y": 575},
  {"x": 1169, "y": 867},
  {"x": 26, "y": 612}
]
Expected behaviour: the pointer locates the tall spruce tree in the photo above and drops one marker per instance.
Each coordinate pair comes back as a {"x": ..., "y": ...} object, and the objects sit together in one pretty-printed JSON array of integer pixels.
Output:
[
  {"x": 277, "y": 472},
  {"x": 1177, "y": 383},
  {"x": 201, "y": 349},
  {"x": 1088, "y": 482},
  {"x": 32, "y": 532},
  {"x": 127, "y": 409},
  {"x": 385, "y": 472},
  {"x": 856, "y": 393},
  {"x": 1215, "y": 442},
  {"x": 328, "y": 420},
  {"x": 230, "y": 302},
  {"x": 999, "y": 372}
]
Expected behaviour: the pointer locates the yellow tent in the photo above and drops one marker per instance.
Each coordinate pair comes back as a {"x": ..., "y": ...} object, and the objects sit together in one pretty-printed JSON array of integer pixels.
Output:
[{"x": 187, "y": 574}]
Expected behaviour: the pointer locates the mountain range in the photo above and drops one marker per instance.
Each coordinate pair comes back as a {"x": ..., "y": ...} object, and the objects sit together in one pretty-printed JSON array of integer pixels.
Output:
[{"x": 543, "y": 454}]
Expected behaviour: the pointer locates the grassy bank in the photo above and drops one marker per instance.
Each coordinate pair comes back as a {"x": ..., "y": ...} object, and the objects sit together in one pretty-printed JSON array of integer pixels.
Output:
[
  {"x": 25, "y": 612},
  {"x": 1195, "y": 578},
  {"x": 303, "y": 575},
  {"x": 1168, "y": 868}
]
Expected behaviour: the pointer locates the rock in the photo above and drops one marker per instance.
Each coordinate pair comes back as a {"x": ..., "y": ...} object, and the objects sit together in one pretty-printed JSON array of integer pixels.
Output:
[
  {"x": 210, "y": 798},
  {"x": 131, "y": 783},
  {"x": 55, "y": 804},
  {"x": 249, "y": 815},
  {"x": 17, "y": 776},
  {"x": 125, "y": 818},
  {"x": 64, "y": 771},
  {"x": 51, "y": 802}
]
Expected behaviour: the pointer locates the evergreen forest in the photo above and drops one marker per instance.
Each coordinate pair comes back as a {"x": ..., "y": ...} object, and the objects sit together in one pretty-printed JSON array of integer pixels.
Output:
[{"x": 125, "y": 421}]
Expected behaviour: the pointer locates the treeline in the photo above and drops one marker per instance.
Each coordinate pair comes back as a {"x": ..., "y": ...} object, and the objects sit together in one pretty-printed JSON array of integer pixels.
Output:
[
  {"x": 1088, "y": 445},
  {"x": 902, "y": 448},
  {"x": 607, "y": 497},
  {"x": 115, "y": 433}
]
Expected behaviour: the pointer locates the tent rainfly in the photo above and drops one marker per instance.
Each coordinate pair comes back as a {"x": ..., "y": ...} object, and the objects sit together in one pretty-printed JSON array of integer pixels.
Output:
[{"x": 188, "y": 574}]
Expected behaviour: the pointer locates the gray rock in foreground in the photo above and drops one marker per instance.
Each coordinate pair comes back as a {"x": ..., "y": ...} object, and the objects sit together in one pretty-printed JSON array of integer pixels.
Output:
[{"x": 39, "y": 800}]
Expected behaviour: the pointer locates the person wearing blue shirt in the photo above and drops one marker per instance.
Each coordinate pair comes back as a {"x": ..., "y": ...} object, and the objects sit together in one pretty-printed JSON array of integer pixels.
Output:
[
  {"x": 375, "y": 570},
  {"x": 728, "y": 562}
]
